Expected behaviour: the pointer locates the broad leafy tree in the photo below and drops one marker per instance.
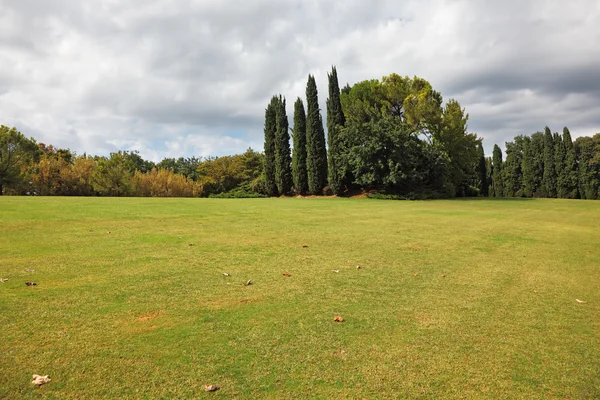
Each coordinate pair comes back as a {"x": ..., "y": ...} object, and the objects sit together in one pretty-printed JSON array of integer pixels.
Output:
[{"x": 16, "y": 152}]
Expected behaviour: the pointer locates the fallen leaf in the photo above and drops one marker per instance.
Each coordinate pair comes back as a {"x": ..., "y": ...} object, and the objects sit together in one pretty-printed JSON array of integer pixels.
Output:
[
  {"x": 29, "y": 270},
  {"x": 336, "y": 270},
  {"x": 40, "y": 380},
  {"x": 248, "y": 283},
  {"x": 91, "y": 230},
  {"x": 3, "y": 280},
  {"x": 108, "y": 232},
  {"x": 580, "y": 301},
  {"x": 211, "y": 388},
  {"x": 304, "y": 246},
  {"x": 358, "y": 267},
  {"x": 243, "y": 300},
  {"x": 225, "y": 274},
  {"x": 415, "y": 274},
  {"x": 287, "y": 274},
  {"x": 191, "y": 244},
  {"x": 443, "y": 276},
  {"x": 338, "y": 319},
  {"x": 30, "y": 283}
]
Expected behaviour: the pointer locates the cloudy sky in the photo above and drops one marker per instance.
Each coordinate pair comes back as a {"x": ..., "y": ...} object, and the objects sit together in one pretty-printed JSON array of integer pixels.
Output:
[{"x": 177, "y": 78}]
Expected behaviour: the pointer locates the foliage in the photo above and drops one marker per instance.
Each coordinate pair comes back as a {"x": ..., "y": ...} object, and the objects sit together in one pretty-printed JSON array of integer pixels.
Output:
[
  {"x": 283, "y": 160},
  {"x": 482, "y": 171},
  {"x": 498, "y": 174},
  {"x": 513, "y": 168},
  {"x": 316, "y": 152},
  {"x": 16, "y": 153},
  {"x": 112, "y": 176},
  {"x": 569, "y": 176},
  {"x": 588, "y": 154},
  {"x": 335, "y": 123},
  {"x": 299, "y": 155},
  {"x": 270, "y": 146},
  {"x": 549, "y": 177}
]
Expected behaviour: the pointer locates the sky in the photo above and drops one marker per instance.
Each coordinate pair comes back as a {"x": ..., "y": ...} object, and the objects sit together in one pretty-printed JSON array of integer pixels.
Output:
[{"x": 181, "y": 78}]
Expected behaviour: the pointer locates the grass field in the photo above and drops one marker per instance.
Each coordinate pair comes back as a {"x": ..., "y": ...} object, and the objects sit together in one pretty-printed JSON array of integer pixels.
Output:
[{"x": 131, "y": 302}]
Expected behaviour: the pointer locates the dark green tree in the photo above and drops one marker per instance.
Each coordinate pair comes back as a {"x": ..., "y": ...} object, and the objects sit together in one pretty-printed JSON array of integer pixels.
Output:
[
  {"x": 571, "y": 176},
  {"x": 482, "y": 172},
  {"x": 16, "y": 151},
  {"x": 527, "y": 168},
  {"x": 588, "y": 154},
  {"x": 560, "y": 155},
  {"x": 283, "y": 159},
  {"x": 270, "y": 134},
  {"x": 489, "y": 176},
  {"x": 537, "y": 151},
  {"x": 335, "y": 122},
  {"x": 498, "y": 176},
  {"x": 513, "y": 175},
  {"x": 299, "y": 155},
  {"x": 316, "y": 151},
  {"x": 549, "y": 179}
]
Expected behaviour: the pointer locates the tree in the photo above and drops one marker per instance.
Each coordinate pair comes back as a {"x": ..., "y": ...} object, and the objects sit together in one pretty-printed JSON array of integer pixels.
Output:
[
  {"x": 112, "y": 176},
  {"x": 549, "y": 179},
  {"x": 16, "y": 151},
  {"x": 460, "y": 146},
  {"x": 482, "y": 172},
  {"x": 299, "y": 155},
  {"x": 559, "y": 165},
  {"x": 270, "y": 134},
  {"x": 527, "y": 168},
  {"x": 335, "y": 121},
  {"x": 513, "y": 175},
  {"x": 588, "y": 153},
  {"x": 570, "y": 177},
  {"x": 489, "y": 173},
  {"x": 316, "y": 152},
  {"x": 283, "y": 160},
  {"x": 537, "y": 151},
  {"x": 498, "y": 177}
]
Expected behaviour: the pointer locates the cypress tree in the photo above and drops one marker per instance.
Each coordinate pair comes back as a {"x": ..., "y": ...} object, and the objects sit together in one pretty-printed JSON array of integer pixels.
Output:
[
  {"x": 283, "y": 159},
  {"x": 489, "y": 173},
  {"x": 482, "y": 171},
  {"x": 299, "y": 154},
  {"x": 270, "y": 133},
  {"x": 316, "y": 152},
  {"x": 335, "y": 121},
  {"x": 537, "y": 153},
  {"x": 549, "y": 180},
  {"x": 513, "y": 176},
  {"x": 498, "y": 177},
  {"x": 527, "y": 168},
  {"x": 559, "y": 166},
  {"x": 571, "y": 173}
]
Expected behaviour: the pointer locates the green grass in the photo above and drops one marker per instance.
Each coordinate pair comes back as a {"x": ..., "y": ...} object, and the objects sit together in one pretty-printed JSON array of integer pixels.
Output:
[{"x": 144, "y": 312}]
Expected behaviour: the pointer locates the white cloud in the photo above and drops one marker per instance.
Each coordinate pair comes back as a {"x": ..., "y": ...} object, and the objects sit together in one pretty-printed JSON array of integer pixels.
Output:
[{"x": 182, "y": 78}]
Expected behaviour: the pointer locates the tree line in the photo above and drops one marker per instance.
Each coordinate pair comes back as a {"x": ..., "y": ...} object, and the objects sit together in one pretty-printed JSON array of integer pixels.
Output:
[
  {"x": 544, "y": 164},
  {"x": 393, "y": 136},
  {"x": 31, "y": 168}
]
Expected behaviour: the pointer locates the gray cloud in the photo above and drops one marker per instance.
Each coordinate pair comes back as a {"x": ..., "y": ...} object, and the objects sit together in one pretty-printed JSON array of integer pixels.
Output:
[{"x": 193, "y": 77}]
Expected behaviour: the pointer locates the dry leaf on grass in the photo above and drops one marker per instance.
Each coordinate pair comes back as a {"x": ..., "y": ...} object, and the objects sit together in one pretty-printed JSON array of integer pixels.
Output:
[
  {"x": 304, "y": 246},
  {"x": 30, "y": 283},
  {"x": 40, "y": 380},
  {"x": 416, "y": 249},
  {"x": 415, "y": 274},
  {"x": 248, "y": 283},
  {"x": 358, "y": 267},
  {"x": 338, "y": 319},
  {"x": 287, "y": 274},
  {"x": 336, "y": 270},
  {"x": 211, "y": 388},
  {"x": 3, "y": 280},
  {"x": 225, "y": 274},
  {"x": 580, "y": 301}
]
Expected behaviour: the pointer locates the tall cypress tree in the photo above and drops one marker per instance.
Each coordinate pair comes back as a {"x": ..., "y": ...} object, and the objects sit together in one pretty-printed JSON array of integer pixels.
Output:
[
  {"x": 489, "y": 172},
  {"x": 283, "y": 159},
  {"x": 335, "y": 121},
  {"x": 498, "y": 176},
  {"x": 549, "y": 180},
  {"x": 270, "y": 133},
  {"x": 571, "y": 173},
  {"x": 513, "y": 175},
  {"x": 527, "y": 168},
  {"x": 482, "y": 171},
  {"x": 299, "y": 154},
  {"x": 537, "y": 153},
  {"x": 316, "y": 152},
  {"x": 559, "y": 166}
]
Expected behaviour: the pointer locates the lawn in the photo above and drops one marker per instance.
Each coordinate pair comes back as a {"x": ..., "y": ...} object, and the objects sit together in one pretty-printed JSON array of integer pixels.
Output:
[{"x": 454, "y": 299}]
